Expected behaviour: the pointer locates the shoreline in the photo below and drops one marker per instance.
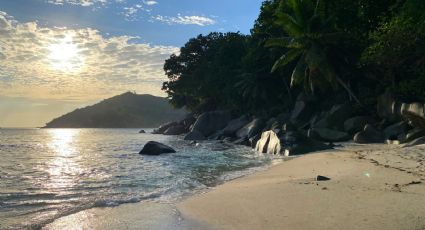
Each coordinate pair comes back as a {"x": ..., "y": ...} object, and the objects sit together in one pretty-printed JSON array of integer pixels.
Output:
[{"x": 363, "y": 193}]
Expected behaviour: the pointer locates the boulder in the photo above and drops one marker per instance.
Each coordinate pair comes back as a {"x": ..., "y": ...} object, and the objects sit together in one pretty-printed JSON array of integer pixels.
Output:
[
  {"x": 188, "y": 121},
  {"x": 414, "y": 134},
  {"x": 234, "y": 125},
  {"x": 210, "y": 122},
  {"x": 194, "y": 136},
  {"x": 164, "y": 127},
  {"x": 328, "y": 135},
  {"x": 335, "y": 117},
  {"x": 419, "y": 141},
  {"x": 253, "y": 140},
  {"x": 217, "y": 135},
  {"x": 287, "y": 143},
  {"x": 369, "y": 135},
  {"x": 242, "y": 141},
  {"x": 175, "y": 130},
  {"x": 142, "y": 131},
  {"x": 251, "y": 129},
  {"x": 356, "y": 124},
  {"x": 393, "y": 132},
  {"x": 302, "y": 112},
  {"x": 156, "y": 148},
  {"x": 415, "y": 114},
  {"x": 385, "y": 106}
]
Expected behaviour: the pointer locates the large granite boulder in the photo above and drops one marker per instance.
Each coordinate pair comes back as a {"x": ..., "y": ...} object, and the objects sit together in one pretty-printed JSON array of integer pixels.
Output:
[
  {"x": 414, "y": 134},
  {"x": 328, "y": 135},
  {"x": 414, "y": 113},
  {"x": 335, "y": 117},
  {"x": 164, "y": 127},
  {"x": 357, "y": 124},
  {"x": 419, "y": 141},
  {"x": 177, "y": 129},
  {"x": 369, "y": 135},
  {"x": 386, "y": 104},
  {"x": 251, "y": 129},
  {"x": 195, "y": 136},
  {"x": 303, "y": 109},
  {"x": 287, "y": 143},
  {"x": 394, "y": 131},
  {"x": 188, "y": 121},
  {"x": 235, "y": 125},
  {"x": 156, "y": 148},
  {"x": 210, "y": 122}
]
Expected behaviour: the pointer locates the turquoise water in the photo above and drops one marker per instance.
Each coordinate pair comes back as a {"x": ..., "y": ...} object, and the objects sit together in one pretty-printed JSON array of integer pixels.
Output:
[{"x": 50, "y": 173}]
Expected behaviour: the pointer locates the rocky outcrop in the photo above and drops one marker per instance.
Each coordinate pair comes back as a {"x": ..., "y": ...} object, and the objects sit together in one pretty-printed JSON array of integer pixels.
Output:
[
  {"x": 164, "y": 127},
  {"x": 177, "y": 129},
  {"x": 328, "y": 135},
  {"x": 303, "y": 109},
  {"x": 356, "y": 124},
  {"x": 369, "y": 135},
  {"x": 251, "y": 129},
  {"x": 396, "y": 131},
  {"x": 386, "y": 107},
  {"x": 210, "y": 122},
  {"x": 415, "y": 114},
  {"x": 195, "y": 136},
  {"x": 414, "y": 134},
  {"x": 235, "y": 125},
  {"x": 287, "y": 143},
  {"x": 335, "y": 117},
  {"x": 419, "y": 141},
  {"x": 156, "y": 148}
]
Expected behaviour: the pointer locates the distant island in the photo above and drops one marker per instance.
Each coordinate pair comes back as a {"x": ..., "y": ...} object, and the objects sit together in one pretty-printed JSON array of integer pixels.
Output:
[{"x": 128, "y": 110}]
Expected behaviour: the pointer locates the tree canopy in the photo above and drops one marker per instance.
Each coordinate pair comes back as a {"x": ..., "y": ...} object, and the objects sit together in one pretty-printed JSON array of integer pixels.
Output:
[{"x": 353, "y": 49}]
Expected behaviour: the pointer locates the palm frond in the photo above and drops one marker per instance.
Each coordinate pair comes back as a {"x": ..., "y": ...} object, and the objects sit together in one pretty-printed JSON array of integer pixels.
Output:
[
  {"x": 298, "y": 75},
  {"x": 284, "y": 42},
  {"x": 286, "y": 58},
  {"x": 289, "y": 24}
]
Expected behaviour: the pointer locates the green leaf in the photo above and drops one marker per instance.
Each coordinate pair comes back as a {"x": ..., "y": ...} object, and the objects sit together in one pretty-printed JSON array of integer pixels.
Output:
[
  {"x": 299, "y": 73},
  {"x": 286, "y": 58},
  {"x": 290, "y": 25},
  {"x": 284, "y": 42}
]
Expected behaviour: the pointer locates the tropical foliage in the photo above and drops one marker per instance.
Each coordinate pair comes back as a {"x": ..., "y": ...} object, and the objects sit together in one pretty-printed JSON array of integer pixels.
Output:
[{"x": 338, "y": 50}]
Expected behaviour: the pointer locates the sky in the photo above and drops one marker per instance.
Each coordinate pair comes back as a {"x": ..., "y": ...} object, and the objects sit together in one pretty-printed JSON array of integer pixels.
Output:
[{"x": 59, "y": 55}]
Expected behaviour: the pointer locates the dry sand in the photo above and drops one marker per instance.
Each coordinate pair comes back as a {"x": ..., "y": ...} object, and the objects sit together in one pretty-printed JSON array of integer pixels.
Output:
[{"x": 371, "y": 187}]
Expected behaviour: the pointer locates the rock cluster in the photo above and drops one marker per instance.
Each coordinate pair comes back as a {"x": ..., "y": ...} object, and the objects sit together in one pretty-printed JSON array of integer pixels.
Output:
[{"x": 305, "y": 130}]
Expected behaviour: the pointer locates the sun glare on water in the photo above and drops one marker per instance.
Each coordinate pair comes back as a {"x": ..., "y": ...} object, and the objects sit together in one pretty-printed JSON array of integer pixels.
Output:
[{"x": 64, "y": 55}]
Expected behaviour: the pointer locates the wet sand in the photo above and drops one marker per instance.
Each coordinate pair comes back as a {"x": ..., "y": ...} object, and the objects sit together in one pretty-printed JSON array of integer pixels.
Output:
[{"x": 371, "y": 187}]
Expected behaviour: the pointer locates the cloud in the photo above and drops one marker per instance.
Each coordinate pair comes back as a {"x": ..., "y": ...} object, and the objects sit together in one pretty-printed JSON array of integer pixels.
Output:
[
  {"x": 75, "y": 64},
  {"x": 150, "y": 3},
  {"x": 185, "y": 20},
  {"x": 77, "y": 2}
]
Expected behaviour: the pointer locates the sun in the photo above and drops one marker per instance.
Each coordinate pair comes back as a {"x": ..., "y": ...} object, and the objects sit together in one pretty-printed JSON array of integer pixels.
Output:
[{"x": 65, "y": 56}]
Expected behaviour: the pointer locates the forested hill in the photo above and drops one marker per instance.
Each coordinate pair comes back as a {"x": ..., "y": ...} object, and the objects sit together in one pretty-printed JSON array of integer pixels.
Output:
[{"x": 127, "y": 110}]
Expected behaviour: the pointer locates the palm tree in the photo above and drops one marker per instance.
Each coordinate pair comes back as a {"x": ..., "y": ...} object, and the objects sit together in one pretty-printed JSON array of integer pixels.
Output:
[{"x": 310, "y": 37}]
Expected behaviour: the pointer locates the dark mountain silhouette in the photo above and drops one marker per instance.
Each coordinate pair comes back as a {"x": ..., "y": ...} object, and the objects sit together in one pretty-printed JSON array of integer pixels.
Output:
[{"x": 128, "y": 110}]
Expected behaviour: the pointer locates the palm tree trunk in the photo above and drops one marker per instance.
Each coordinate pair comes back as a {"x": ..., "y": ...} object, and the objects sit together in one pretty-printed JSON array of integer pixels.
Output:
[{"x": 342, "y": 83}]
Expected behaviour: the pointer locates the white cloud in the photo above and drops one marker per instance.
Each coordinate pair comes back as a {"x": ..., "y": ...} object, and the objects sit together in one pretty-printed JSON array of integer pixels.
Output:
[
  {"x": 77, "y": 2},
  {"x": 91, "y": 66},
  {"x": 150, "y": 3},
  {"x": 185, "y": 20}
]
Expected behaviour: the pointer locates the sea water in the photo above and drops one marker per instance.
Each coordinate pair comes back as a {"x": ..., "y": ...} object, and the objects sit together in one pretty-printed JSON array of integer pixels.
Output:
[{"x": 46, "y": 174}]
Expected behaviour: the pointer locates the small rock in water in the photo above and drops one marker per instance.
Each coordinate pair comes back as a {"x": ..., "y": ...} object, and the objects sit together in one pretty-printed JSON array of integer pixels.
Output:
[
  {"x": 156, "y": 148},
  {"x": 142, "y": 131},
  {"x": 322, "y": 178}
]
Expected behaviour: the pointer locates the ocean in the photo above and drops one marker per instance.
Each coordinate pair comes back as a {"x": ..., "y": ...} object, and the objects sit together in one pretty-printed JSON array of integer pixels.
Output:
[{"x": 46, "y": 174}]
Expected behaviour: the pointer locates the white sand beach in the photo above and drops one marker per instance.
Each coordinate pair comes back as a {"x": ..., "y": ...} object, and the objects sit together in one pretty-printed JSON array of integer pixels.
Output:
[{"x": 371, "y": 187}]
